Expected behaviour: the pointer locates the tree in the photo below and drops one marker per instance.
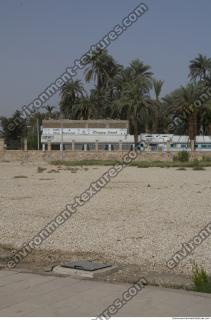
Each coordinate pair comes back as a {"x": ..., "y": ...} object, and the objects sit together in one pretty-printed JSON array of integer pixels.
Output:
[
  {"x": 49, "y": 110},
  {"x": 71, "y": 92},
  {"x": 137, "y": 70},
  {"x": 18, "y": 132},
  {"x": 134, "y": 101},
  {"x": 157, "y": 87},
  {"x": 183, "y": 107},
  {"x": 200, "y": 68},
  {"x": 101, "y": 67},
  {"x": 84, "y": 109}
]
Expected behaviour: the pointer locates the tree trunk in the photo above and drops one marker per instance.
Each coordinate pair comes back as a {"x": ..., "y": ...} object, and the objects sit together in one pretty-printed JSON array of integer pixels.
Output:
[
  {"x": 209, "y": 130},
  {"x": 135, "y": 126},
  {"x": 156, "y": 120},
  {"x": 192, "y": 125}
]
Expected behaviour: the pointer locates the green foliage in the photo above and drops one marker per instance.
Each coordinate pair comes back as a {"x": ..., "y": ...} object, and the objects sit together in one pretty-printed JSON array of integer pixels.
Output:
[
  {"x": 198, "y": 168},
  {"x": 138, "y": 164},
  {"x": 200, "y": 279},
  {"x": 182, "y": 156},
  {"x": 40, "y": 169},
  {"x": 85, "y": 163},
  {"x": 20, "y": 177},
  {"x": 197, "y": 165},
  {"x": 206, "y": 158}
]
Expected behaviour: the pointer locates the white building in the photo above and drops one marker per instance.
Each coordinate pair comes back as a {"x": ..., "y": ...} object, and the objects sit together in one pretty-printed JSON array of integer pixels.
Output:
[
  {"x": 170, "y": 142},
  {"x": 111, "y": 135},
  {"x": 86, "y": 135}
]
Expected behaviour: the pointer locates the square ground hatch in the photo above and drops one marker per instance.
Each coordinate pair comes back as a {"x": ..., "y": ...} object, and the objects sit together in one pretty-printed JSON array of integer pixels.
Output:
[{"x": 86, "y": 265}]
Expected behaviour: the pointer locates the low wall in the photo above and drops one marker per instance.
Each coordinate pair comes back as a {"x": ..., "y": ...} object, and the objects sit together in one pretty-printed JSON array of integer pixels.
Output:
[{"x": 34, "y": 155}]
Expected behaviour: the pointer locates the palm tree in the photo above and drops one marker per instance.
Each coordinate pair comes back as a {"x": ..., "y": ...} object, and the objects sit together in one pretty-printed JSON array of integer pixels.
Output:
[
  {"x": 84, "y": 109},
  {"x": 200, "y": 68},
  {"x": 137, "y": 70},
  {"x": 49, "y": 110},
  {"x": 157, "y": 87},
  {"x": 71, "y": 92},
  {"x": 183, "y": 107},
  {"x": 133, "y": 103},
  {"x": 101, "y": 68}
]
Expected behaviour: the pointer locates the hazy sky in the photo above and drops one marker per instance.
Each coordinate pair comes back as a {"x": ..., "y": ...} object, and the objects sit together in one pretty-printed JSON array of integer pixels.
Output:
[{"x": 40, "y": 38}]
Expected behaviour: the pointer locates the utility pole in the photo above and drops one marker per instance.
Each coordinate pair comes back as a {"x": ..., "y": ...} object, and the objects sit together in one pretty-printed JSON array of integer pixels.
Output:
[
  {"x": 61, "y": 145},
  {"x": 38, "y": 135}
]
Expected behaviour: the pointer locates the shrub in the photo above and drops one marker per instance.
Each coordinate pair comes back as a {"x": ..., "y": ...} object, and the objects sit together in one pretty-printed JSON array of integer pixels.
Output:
[
  {"x": 206, "y": 158},
  {"x": 196, "y": 165},
  {"x": 20, "y": 177},
  {"x": 40, "y": 169},
  {"x": 182, "y": 156},
  {"x": 198, "y": 168},
  {"x": 200, "y": 279}
]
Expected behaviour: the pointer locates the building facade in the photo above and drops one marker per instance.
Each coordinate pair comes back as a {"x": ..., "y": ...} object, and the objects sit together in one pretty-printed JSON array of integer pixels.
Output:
[
  {"x": 86, "y": 135},
  {"x": 111, "y": 135}
]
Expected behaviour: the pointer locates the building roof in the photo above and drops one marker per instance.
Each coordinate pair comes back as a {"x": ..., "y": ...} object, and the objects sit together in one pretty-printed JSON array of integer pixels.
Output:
[
  {"x": 163, "y": 138},
  {"x": 101, "y": 123}
]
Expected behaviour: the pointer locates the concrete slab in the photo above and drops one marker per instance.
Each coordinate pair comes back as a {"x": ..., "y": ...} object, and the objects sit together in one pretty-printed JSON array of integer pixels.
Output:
[
  {"x": 34, "y": 296},
  {"x": 82, "y": 273}
]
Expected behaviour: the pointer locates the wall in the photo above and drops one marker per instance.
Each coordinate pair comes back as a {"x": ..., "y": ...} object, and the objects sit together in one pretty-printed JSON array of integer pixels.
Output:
[
  {"x": 2, "y": 143},
  {"x": 17, "y": 155}
]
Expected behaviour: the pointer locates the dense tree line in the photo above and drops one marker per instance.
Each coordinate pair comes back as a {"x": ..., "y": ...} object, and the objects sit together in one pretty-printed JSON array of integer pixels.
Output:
[{"x": 131, "y": 93}]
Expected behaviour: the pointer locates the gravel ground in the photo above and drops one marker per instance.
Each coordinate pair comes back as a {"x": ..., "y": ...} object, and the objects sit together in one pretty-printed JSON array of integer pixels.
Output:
[{"x": 141, "y": 217}]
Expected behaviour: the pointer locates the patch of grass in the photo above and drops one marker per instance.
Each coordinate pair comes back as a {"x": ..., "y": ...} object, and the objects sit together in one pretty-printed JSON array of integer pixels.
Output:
[
  {"x": 85, "y": 163},
  {"x": 139, "y": 164},
  {"x": 197, "y": 165},
  {"x": 181, "y": 169},
  {"x": 53, "y": 171},
  {"x": 198, "y": 168},
  {"x": 40, "y": 169},
  {"x": 20, "y": 177},
  {"x": 206, "y": 158},
  {"x": 182, "y": 156},
  {"x": 201, "y": 280},
  {"x": 143, "y": 165}
]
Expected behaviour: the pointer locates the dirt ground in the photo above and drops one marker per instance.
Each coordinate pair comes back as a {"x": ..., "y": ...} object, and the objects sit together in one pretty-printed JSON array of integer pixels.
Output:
[{"x": 140, "y": 219}]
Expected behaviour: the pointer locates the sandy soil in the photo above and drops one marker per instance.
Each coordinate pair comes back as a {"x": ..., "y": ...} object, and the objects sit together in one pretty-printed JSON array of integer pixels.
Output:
[{"x": 142, "y": 217}]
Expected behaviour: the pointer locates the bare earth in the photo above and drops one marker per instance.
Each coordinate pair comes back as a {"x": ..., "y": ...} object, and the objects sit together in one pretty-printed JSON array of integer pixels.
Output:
[{"x": 141, "y": 217}]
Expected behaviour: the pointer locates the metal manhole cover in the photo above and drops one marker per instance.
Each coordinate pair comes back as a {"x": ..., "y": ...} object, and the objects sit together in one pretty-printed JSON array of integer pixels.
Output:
[{"x": 86, "y": 265}]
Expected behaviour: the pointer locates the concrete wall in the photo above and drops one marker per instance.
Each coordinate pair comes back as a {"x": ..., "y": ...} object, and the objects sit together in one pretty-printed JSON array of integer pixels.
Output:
[
  {"x": 2, "y": 144},
  {"x": 18, "y": 155}
]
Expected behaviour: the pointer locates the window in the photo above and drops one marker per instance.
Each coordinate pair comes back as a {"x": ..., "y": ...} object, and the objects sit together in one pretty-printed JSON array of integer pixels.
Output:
[
  {"x": 103, "y": 146},
  {"x": 114, "y": 146},
  {"x": 206, "y": 146},
  {"x": 79, "y": 146},
  {"x": 91, "y": 146}
]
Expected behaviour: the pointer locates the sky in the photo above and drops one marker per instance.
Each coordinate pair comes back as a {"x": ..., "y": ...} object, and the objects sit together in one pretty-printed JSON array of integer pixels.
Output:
[{"x": 40, "y": 38}]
